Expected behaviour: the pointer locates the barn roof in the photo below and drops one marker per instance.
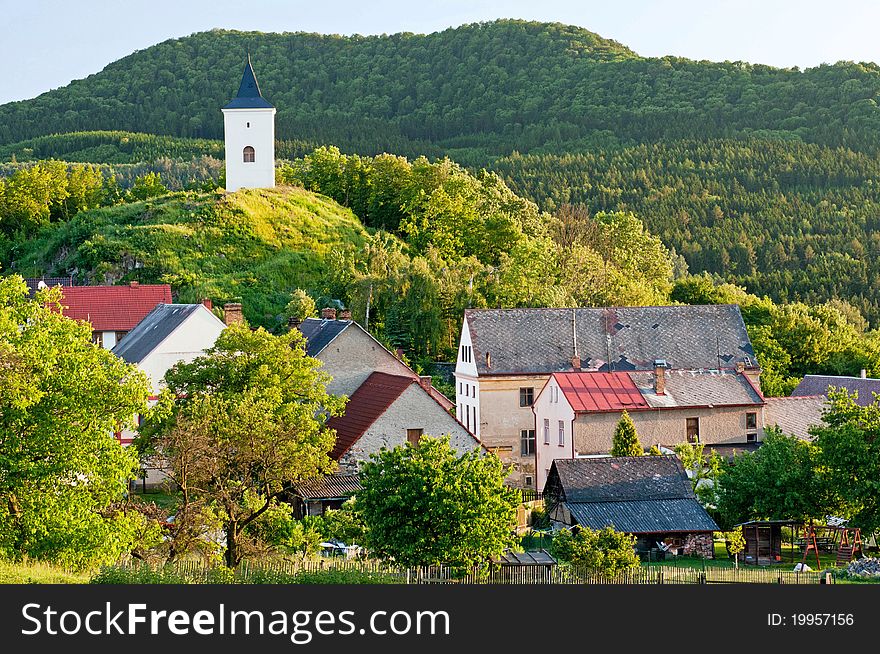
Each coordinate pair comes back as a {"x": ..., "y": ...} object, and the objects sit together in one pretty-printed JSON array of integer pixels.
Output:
[
  {"x": 153, "y": 329},
  {"x": 818, "y": 385},
  {"x": 638, "y": 494},
  {"x": 333, "y": 486},
  {"x": 113, "y": 308},
  {"x": 249, "y": 95},
  {"x": 618, "y": 478},
  {"x": 541, "y": 341},
  {"x": 644, "y": 517}
]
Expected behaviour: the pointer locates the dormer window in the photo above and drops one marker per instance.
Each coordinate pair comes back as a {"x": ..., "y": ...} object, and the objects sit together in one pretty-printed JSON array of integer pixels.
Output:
[{"x": 249, "y": 154}]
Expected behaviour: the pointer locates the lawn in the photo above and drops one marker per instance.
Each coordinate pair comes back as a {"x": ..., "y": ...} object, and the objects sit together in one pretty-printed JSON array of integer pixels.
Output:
[
  {"x": 721, "y": 559},
  {"x": 40, "y": 573}
]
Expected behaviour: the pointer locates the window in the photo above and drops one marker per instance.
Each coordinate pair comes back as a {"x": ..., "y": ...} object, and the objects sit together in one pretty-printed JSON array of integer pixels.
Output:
[
  {"x": 527, "y": 441},
  {"x": 120, "y": 336},
  {"x": 752, "y": 438},
  {"x": 751, "y": 421},
  {"x": 474, "y": 390},
  {"x": 528, "y": 481},
  {"x": 98, "y": 338},
  {"x": 526, "y": 396},
  {"x": 248, "y": 125},
  {"x": 546, "y": 431},
  {"x": 561, "y": 433},
  {"x": 249, "y": 154},
  {"x": 466, "y": 353},
  {"x": 475, "y": 419},
  {"x": 459, "y": 388},
  {"x": 467, "y": 417},
  {"x": 693, "y": 430},
  {"x": 413, "y": 436}
]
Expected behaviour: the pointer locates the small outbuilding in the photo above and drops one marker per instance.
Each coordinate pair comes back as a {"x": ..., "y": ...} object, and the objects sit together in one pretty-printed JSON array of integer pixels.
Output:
[
  {"x": 764, "y": 540},
  {"x": 315, "y": 496}
]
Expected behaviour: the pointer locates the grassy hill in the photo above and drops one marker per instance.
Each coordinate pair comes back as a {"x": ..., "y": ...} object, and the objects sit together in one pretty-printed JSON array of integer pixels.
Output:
[{"x": 255, "y": 246}]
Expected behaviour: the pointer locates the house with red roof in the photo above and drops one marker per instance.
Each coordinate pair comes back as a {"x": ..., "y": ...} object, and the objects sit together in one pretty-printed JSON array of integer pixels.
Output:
[
  {"x": 390, "y": 410},
  {"x": 113, "y": 311},
  {"x": 576, "y": 412}
]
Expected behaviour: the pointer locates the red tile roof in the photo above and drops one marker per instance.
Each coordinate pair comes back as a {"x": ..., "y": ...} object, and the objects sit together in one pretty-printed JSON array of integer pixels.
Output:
[
  {"x": 600, "y": 391},
  {"x": 113, "y": 308},
  {"x": 366, "y": 404}
]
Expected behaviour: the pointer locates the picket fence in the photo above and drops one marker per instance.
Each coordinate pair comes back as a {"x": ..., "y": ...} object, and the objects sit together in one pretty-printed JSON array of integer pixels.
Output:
[{"x": 197, "y": 572}]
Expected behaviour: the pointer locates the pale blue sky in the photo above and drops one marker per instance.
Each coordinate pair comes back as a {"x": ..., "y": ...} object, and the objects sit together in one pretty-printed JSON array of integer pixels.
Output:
[{"x": 47, "y": 43}]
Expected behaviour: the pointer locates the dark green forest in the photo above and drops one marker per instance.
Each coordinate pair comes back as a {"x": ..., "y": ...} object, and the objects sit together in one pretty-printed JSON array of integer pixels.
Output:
[{"x": 473, "y": 92}]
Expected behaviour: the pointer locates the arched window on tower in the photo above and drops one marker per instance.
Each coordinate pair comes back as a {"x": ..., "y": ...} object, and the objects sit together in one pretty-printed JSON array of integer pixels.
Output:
[{"x": 249, "y": 154}]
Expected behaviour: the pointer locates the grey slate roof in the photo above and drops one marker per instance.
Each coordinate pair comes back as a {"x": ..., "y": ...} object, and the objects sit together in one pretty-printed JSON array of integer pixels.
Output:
[
  {"x": 334, "y": 486},
  {"x": 249, "y": 95},
  {"x": 686, "y": 388},
  {"x": 818, "y": 385},
  {"x": 637, "y": 495},
  {"x": 614, "y": 338},
  {"x": 319, "y": 333},
  {"x": 538, "y": 557},
  {"x": 648, "y": 517},
  {"x": 795, "y": 415},
  {"x": 618, "y": 478},
  {"x": 152, "y": 330}
]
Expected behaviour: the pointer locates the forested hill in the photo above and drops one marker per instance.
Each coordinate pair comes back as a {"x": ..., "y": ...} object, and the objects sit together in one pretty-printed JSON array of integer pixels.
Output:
[{"x": 473, "y": 92}]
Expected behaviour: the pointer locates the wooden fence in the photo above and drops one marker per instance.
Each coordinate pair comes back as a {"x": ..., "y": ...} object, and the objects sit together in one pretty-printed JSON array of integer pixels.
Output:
[{"x": 196, "y": 572}]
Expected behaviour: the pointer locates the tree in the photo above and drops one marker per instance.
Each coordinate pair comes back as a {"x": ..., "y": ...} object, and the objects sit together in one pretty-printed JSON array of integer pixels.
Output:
[
  {"x": 782, "y": 480},
  {"x": 426, "y": 505},
  {"x": 148, "y": 186},
  {"x": 62, "y": 472},
  {"x": 606, "y": 551},
  {"x": 239, "y": 423},
  {"x": 625, "y": 441},
  {"x": 735, "y": 543},
  {"x": 301, "y": 306},
  {"x": 703, "y": 471},
  {"x": 849, "y": 450}
]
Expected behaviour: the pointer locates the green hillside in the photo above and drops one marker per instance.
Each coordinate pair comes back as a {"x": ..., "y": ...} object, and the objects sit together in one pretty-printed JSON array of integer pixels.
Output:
[
  {"x": 252, "y": 246},
  {"x": 473, "y": 92}
]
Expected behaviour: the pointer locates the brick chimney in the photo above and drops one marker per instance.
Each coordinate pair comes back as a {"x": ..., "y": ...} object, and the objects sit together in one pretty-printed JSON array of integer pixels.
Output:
[
  {"x": 328, "y": 313},
  {"x": 399, "y": 353},
  {"x": 864, "y": 373},
  {"x": 660, "y": 377},
  {"x": 133, "y": 284},
  {"x": 207, "y": 302},
  {"x": 740, "y": 366},
  {"x": 344, "y": 314},
  {"x": 232, "y": 313},
  {"x": 425, "y": 382},
  {"x": 576, "y": 362}
]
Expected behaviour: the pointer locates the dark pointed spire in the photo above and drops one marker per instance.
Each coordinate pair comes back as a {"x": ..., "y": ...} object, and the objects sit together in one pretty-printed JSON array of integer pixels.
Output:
[{"x": 249, "y": 96}]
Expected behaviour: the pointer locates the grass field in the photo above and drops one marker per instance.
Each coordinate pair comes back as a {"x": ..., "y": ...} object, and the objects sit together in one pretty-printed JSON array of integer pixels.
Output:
[{"x": 40, "y": 573}]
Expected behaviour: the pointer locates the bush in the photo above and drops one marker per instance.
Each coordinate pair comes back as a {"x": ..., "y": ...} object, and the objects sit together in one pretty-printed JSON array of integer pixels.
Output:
[{"x": 605, "y": 551}]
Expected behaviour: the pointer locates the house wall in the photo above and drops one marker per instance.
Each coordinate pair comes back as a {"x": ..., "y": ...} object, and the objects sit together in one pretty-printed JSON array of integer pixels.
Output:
[
  {"x": 467, "y": 384},
  {"x": 593, "y": 432},
  {"x": 353, "y": 356},
  {"x": 414, "y": 409},
  {"x": 501, "y": 419},
  {"x": 261, "y": 136},
  {"x": 552, "y": 406}
]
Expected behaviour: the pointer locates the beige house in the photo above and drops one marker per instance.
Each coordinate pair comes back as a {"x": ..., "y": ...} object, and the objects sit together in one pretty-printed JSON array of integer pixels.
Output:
[
  {"x": 388, "y": 405},
  {"x": 505, "y": 357},
  {"x": 577, "y": 412}
]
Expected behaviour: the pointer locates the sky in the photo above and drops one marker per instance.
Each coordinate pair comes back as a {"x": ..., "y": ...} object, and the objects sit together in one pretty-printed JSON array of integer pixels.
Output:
[{"x": 48, "y": 43}]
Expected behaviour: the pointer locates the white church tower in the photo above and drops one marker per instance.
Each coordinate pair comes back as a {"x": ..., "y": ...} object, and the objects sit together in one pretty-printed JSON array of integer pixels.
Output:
[{"x": 249, "y": 127}]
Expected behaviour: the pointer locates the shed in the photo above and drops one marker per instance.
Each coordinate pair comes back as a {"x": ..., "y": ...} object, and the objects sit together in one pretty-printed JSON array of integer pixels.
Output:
[
  {"x": 315, "y": 496},
  {"x": 764, "y": 540}
]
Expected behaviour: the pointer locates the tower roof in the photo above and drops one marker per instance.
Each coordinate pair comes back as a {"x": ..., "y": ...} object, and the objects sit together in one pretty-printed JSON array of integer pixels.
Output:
[{"x": 249, "y": 96}]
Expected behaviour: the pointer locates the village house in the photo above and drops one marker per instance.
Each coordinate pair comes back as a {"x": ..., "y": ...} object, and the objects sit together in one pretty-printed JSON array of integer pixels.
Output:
[
  {"x": 576, "y": 413},
  {"x": 388, "y": 405},
  {"x": 315, "y": 496},
  {"x": 649, "y": 497},
  {"x": 795, "y": 415},
  {"x": 818, "y": 385},
  {"x": 505, "y": 358},
  {"x": 112, "y": 311}
]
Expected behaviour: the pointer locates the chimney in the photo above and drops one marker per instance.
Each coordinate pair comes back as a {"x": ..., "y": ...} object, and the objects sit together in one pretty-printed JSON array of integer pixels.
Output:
[
  {"x": 133, "y": 284},
  {"x": 345, "y": 314},
  {"x": 207, "y": 302},
  {"x": 293, "y": 322},
  {"x": 864, "y": 373},
  {"x": 232, "y": 313},
  {"x": 740, "y": 366},
  {"x": 660, "y": 376},
  {"x": 328, "y": 313},
  {"x": 399, "y": 353},
  {"x": 576, "y": 362},
  {"x": 425, "y": 382}
]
